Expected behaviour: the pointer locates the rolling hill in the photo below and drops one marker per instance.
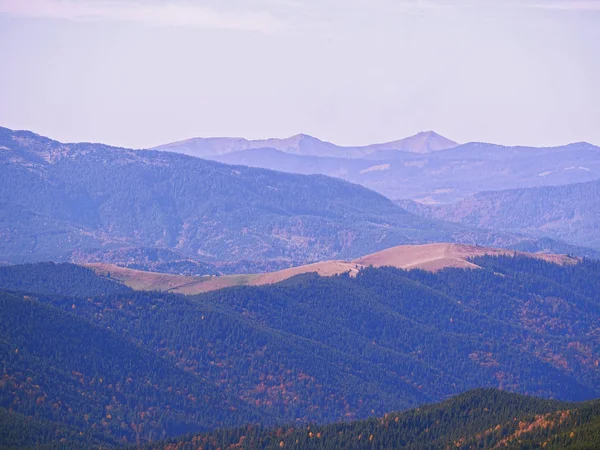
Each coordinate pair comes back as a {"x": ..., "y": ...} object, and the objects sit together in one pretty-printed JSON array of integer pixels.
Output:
[
  {"x": 444, "y": 176},
  {"x": 430, "y": 257},
  {"x": 454, "y": 174}
]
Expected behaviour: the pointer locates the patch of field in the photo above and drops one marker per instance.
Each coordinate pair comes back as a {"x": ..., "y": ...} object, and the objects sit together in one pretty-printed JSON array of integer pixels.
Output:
[
  {"x": 440, "y": 256},
  {"x": 427, "y": 257},
  {"x": 190, "y": 285},
  {"x": 325, "y": 269},
  {"x": 141, "y": 280},
  {"x": 207, "y": 284}
]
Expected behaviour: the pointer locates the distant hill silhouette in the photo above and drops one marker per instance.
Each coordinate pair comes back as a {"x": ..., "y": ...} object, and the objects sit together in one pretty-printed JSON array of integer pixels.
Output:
[
  {"x": 305, "y": 145},
  {"x": 427, "y": 167}
]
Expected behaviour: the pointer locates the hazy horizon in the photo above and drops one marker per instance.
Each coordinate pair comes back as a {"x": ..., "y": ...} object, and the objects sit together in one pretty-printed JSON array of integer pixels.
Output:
[{"x": 141, "y": 74}]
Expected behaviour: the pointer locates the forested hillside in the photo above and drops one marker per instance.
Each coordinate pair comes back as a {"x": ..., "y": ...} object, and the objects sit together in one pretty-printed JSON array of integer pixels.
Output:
[
  {"x": 480, "y": 419},
  {"x": 308, "y": 349},
  {"x": 19, "y": 431},
  {"x": 64, "y": 201},
  {"x": 59, "y": 367},
  {"x": 59, "y": 279},
  {"x": 570, "y": 213}
]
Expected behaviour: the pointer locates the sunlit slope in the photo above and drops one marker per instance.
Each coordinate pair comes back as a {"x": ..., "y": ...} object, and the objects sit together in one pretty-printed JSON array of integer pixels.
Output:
[{"x": 431, "y": 257}]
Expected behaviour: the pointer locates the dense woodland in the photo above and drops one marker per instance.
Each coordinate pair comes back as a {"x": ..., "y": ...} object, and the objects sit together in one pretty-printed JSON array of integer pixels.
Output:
[
  {"x": 62, "y": 368},
  {"x": 58, "y": 279},
  {"x": 479, "y": 419},
  {"x": 121, "y": 367}
]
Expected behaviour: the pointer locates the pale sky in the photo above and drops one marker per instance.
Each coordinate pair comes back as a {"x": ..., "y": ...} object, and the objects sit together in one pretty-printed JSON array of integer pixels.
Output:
[{"x": 142, "y": 73}]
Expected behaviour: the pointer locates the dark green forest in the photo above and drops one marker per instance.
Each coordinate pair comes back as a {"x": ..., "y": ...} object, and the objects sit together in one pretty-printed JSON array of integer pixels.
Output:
[
  {"x": 58, "y": 279},
  {"x": 120, "y": 366},
  {"x": 478, "y": 419}
]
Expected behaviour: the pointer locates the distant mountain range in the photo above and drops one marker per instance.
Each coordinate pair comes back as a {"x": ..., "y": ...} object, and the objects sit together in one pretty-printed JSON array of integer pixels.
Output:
[
  {"x": 427, "y": 167},
  {"x": 305, "y": 145},
  {"x": 91, "y": 202},
  {"x": 570, "y": 213}
]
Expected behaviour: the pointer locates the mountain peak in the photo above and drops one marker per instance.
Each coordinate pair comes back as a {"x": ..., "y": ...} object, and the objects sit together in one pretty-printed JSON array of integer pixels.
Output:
[
  {"x": 422, "y": 142},
  {"x": 427, "y": 133},
  {"x": 583, "y": 144},
  {"x": 303, "y": 136},
  {"x": 297, "y": 138}
]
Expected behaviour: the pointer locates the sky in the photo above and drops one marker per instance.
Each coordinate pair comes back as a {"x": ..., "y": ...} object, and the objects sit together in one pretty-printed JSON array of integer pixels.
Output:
[{"x": 139, "y": 73}]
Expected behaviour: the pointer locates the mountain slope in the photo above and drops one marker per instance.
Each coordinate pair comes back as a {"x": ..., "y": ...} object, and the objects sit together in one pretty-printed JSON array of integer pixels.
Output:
[
  {"x": 56, "y": 365},
  {"x": 305, "y": 145},
  {"x": 482, "y": 418},
  {"x": 301, "y": 144},
  {"x": 19, "y": 431},
  {"x": 60, "y": 279},
  {"x": 67, "y": 201},
  {"x": 570, "y": 213}
]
